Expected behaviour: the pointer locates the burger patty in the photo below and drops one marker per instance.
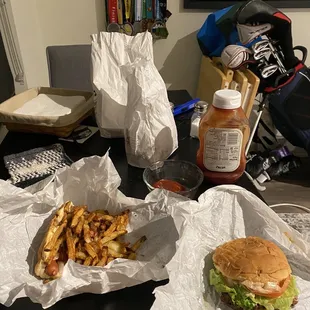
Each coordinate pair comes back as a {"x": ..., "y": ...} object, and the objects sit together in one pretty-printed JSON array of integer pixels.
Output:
[{"x": 227, "y": 300}]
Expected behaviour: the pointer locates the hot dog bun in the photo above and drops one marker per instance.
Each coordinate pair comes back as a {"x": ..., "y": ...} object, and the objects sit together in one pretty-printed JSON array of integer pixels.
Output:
[{"x": 49, "y": 266}]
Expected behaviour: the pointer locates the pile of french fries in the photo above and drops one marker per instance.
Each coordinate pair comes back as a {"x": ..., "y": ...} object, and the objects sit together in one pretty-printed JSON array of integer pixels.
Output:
[{"x": 94, "y": 238}]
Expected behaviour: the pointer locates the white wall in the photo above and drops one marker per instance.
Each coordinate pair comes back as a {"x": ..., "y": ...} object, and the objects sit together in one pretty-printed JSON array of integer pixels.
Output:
[
  {"x": 69, "y": 21},
  {"x": 29, "y": 40},
  {"x": 41, "y": 23}
]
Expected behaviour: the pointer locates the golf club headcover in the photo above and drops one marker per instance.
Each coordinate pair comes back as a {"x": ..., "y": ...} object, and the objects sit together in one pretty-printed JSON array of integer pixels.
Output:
[
  {"x": 248, "y": 33},
  {"x": 235, "y": 56}
]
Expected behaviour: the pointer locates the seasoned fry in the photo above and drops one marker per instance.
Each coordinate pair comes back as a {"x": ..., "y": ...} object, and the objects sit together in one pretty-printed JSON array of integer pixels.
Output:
[
  {"x": 95, "y": 261},
  {"x": 138, "y": 243},
  {"x": 80, "y": 255},
  {"x": 103, "y": 227},
  {"x": 55, "y": 250},
  {"x": 56, "y": 235},
  {"x": 116, "y": 246},
  {"x": 79, "y": 212},
  {"x": 76, "y": 240},
  {"x": 79, "y": 226},
  {"x": 86, "y": 233},
  {"x": 95, "y": 246},
  {"x": 70, "y": 244},
  {"x": 79, "y": 261},
  {"x": 80, "y": 246},
  {"x": 104, "y": 217},
  {"x": 88, "y": 261},
  {"x": 68, "y": 206},
  {"x": 132, "y": 256},
  {"x": 93, "y": 228},
  {"x": 111, "y": 237},
  {"x": 110, "y": 259},
  {"x": 123, "y": 222},
  {"x": 110, "y": 230},
  {"x": 93, "y": 234},
  {"x": 104, "y": 257},
  {"x": 90, "y": 250},
  {"x": 102, "y": 212},
  {"x": 90, "y": 217},
  {"x": 78, "y": 208},
  {"x": 115, "y": 254}
]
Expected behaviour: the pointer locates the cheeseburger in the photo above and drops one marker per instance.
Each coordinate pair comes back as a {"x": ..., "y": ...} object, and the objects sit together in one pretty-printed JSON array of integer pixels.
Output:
[{"x": 253, "y": 274}]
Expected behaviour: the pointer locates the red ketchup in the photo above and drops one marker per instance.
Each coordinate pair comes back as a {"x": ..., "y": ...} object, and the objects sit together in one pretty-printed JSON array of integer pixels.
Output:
[
  {"x": 169, "y": 185},
  {"x": 223, "y": 133}
]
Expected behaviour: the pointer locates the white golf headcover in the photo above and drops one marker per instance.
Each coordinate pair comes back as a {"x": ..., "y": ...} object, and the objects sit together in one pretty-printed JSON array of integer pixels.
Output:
[{"x": 235, "y": 56}]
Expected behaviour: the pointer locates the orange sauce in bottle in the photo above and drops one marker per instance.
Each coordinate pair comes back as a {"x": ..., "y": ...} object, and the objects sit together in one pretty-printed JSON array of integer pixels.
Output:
[{"x": 223, "y": 133}]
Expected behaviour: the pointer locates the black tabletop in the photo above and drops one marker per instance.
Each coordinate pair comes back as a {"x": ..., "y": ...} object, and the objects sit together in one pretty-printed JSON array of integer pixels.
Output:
[{"x": 139, "y": 297}]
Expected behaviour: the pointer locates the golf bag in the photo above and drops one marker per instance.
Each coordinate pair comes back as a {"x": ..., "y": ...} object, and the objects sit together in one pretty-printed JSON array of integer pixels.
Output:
[
  {"x": 289, "y": 108},
  {"x": 258, "y": 36}
]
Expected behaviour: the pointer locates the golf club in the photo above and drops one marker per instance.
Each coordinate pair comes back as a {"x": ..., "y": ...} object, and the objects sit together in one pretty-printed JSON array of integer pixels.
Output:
[
  {"x": 275, "y": 54},
  {"x": 269, "y": 70},
  {"x": 248, "y": 33},
  {"x": 263, "y": 53},
  {"x": 260, "y": 45}
]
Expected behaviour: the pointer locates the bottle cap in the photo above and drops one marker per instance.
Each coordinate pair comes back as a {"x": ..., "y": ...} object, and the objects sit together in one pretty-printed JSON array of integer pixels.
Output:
[
  {"x": 201, "y": 106},
  {"x": 227, "y": 99}
]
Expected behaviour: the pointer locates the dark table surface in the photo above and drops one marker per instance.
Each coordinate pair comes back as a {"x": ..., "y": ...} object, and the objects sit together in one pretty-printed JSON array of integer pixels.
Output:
[{"x": 138, "y": 297}]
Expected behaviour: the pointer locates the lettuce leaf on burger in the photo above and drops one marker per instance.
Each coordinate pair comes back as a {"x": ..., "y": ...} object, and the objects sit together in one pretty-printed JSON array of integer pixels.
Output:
[{"x": 253, "y": 274}]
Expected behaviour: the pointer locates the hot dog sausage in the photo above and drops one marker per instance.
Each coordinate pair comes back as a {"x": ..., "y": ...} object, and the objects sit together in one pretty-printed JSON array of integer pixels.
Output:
[{"x": 52, "y": 268}]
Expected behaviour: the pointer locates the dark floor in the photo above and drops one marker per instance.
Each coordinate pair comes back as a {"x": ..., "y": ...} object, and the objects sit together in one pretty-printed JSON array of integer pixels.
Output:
[{"x": 293, "y": 188}]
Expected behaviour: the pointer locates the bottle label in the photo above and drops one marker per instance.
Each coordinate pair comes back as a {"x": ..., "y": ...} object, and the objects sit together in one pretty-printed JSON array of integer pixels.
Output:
[{"x": 222, "y": 149}]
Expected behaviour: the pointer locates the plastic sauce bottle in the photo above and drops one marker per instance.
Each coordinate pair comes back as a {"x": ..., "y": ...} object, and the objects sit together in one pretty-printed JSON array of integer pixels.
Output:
[{"x": 223, "y": 133}]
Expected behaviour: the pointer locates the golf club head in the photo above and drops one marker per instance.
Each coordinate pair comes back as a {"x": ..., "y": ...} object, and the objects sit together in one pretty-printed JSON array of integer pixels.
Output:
[
  {"x": 268, "y": 71},
  {"x": 262, "y": 53},
  {"x": 248, "y": 33},
  {"x": 261, "y": 45}
]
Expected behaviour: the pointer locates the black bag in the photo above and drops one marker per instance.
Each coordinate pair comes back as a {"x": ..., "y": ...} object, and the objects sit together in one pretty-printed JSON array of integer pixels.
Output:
[{"x": 289, "y": 108}]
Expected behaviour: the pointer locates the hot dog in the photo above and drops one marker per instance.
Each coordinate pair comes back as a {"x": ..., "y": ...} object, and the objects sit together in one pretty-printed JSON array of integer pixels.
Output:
[
  {"x": 50, "y": 255},
  {"x": 52, "y": 268}
]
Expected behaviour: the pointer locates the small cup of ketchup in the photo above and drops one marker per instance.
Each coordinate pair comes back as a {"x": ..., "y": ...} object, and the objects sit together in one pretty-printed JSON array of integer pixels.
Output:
[
  {"x": 169, "y": 185},
  {"x": 177, "y": 176}
]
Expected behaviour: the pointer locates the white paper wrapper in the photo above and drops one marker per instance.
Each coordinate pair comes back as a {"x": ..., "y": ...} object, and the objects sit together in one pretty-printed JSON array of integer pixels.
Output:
[
  {"x": 222, "y": 214},
  {"x": 93, "y": 181},
  {"x": 150, "y": 129}
]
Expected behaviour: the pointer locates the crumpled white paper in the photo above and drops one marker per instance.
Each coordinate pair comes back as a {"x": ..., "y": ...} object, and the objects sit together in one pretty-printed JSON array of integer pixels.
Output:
[
  {"x": 150, "y": 129},
  {"x": 92, "y": 181},
  {"x": 222, "y": 214}
]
